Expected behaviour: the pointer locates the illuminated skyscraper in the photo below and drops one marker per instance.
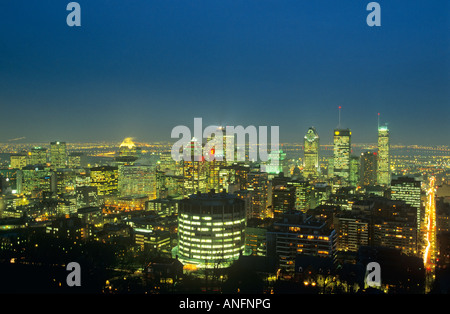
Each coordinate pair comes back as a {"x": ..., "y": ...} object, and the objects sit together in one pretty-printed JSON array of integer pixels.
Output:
[
  {"x": 258, "y": 185},
  {"x": 58, "y": 155},
  {"x": 354, "y": 171},
  {"x": 137, "y": 180},
  {"x": 341, "y": 156},
  {"x": 36, "y": 179},
  {"x": 105, "y": 178},
  {"x": 383, "y": 163},
  {"x": 38, "y": 156},
  {"x": 353, "y": 231},
  {"x": 302, "y": 194},
  {"x": 368, "y": 168},
  {"x": 167, "y": 164},
  {"x": 65, "y": 180},
  {"x": 86, "y": 196},
  {"x": 283, "y": 200},
  {"x": 297, "y": 233},
  {"x": 211, "y": 229},
  {"x": 217, "y": 159},
  {"x": 408, "y": 189},
  {"x": 311, "y": 153},
  {"x": 18, "y": 161},
  {"x": 195, "y": 171}
]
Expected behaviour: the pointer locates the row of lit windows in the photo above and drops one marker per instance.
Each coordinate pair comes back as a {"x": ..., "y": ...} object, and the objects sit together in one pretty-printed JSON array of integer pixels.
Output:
[
  {"x": 187, "y": 250},
  {"x": 184, "y": 237},
  {"x": 228, "y": 234},
  {"x": 183, "y": 228},
  {"x": 206, "y": 246},
  {"x": 309, "y": 237},
  {"x": 318, "y": 252},
  {"x": 206, "y": 257},
  {"x": 197, "y": 223},
  {"x": 227, "y": 223},
  {"x": 213, "y": 252}
]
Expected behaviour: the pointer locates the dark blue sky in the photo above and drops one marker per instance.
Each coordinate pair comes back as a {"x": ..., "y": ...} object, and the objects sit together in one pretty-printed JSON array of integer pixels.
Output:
[{"x": 139, "y": 68}]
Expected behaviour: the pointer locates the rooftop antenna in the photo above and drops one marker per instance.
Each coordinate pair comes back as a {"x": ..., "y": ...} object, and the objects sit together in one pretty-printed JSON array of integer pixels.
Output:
[{"x": 339, "y": 125}]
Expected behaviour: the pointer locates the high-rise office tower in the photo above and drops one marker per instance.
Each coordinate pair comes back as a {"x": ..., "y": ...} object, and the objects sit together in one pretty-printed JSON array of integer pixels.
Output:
[
  {"x": 38, "y": 156},
  {"x": 65, "y": 181},
  {"x": 311, "y": 154},
  {"x": 86, "y": 196},
  {"x": 298, "y": 234},
  {"x": 302, "y": 194},
  {"x": 216, "y": 154},
  {"x": 36, "y": 179},
  {"x": 368, "y": 168},
  {"x": 341, "y": 156},
  {"x": 354, "y": 171},
  {"x": 330, "y": 167},
  {"x": 137, "y": 180},
  {"x": 211, "y": 229},
  {"x": 18, "y": 161},
  {"x": 105, "y": 178},
  {"x": 283, "y": 200},
  {"x": 395, "y": 226},
  {"x": 353, "y": 231},
  {"x": 255, "y": 236},
  {"x": 58, "y": 155},
  {"x": 408, "y": 189},
  {"x": 383, "y": 163},
  {"x": 76, "y": 160},
  {"x": 167, "y": 164},
  {"x": 258, "y": 186},
  {"x": 195, "y": 172},
  {"x": 218, "y": 144}
]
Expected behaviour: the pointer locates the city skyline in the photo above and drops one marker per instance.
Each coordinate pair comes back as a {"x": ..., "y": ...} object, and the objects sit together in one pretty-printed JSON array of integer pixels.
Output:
[
  {"x": 326, "y": 140},
  {"x": 242, "y": 147},
  {"x": 139, "y": 69}
]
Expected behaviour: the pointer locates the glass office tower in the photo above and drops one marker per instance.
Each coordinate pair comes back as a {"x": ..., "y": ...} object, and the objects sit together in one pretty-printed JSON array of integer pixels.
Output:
[
  {"x": 341, "y": 156},
  {"x": 383, "y": 162},
  {"x": 311, "y": 153}
]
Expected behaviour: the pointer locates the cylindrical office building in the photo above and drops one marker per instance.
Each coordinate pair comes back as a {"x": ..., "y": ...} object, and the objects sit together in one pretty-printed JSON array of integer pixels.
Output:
[{"x": 211, "y": 229}]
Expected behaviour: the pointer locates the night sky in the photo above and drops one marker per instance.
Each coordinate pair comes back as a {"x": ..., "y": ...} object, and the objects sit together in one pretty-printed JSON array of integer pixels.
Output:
[{"x": 139, "y": 68}]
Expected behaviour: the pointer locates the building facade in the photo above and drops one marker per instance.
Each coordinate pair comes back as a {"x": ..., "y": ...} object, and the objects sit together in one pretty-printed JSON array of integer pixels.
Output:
[
  {"x": 58, "y": 155},
  {"x": 211, "y": 229},
  {"x": 383, "y": 162},
  {"x": 311, "y": 154},
  {"x": 341, "y": 157}
]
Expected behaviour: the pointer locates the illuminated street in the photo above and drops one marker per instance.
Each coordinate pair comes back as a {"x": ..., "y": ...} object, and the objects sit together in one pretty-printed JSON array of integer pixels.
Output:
[{"x": 430, "y": 234}]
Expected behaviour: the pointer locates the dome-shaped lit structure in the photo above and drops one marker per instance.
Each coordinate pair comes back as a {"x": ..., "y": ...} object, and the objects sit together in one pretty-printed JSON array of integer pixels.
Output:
[{"x": 128, "y": 151}]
